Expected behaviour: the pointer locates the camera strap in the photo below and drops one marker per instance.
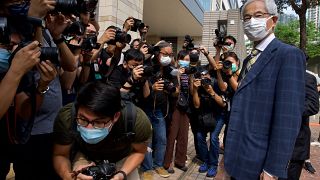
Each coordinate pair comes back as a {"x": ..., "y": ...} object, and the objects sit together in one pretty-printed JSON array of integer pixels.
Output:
[
  {"x": 154, "y": 107},
  {"x": 46, "y": 37}
]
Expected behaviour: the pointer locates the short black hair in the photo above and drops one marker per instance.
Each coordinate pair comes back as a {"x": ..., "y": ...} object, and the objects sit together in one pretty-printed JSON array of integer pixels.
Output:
[
  {"x": 182, "y": 54},
  {"x": 232, "y": 38},
  {"x": 133, "y": 54},
  {"x": 131, "y": 44},
  {"x": 102, "y": 99}
]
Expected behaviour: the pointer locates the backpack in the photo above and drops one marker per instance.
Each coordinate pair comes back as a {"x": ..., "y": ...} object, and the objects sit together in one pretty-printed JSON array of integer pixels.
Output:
[{"x": 129, "y": 113}]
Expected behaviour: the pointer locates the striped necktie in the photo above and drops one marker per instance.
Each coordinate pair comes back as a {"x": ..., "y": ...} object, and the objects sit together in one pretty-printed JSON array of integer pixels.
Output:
[{"x": 252, "y": 59}]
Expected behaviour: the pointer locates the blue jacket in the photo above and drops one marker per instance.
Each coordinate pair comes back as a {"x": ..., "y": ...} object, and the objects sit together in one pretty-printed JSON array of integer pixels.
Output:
[{"x": 266, "y": 114}]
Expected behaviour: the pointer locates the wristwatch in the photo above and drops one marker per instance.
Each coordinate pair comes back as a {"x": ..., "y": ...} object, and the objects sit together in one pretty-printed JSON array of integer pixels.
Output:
[
  {"x": 42, "y": 92},
  {"x": 60, "y": 40}
]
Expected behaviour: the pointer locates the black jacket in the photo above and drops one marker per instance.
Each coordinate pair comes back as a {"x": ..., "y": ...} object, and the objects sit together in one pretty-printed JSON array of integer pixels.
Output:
[{"x": 301, "y": 149}]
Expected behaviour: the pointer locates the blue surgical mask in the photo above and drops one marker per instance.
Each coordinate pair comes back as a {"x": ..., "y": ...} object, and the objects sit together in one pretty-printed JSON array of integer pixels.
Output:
[
  {"x": 93, "y": 136},
  {"x": 234, "y": 68},
  {"x": 4, "y": 60},
  {"x": 183, "y": 63}
]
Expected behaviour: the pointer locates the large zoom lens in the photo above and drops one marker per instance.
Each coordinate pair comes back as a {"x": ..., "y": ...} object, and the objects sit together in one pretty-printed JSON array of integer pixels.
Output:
[
  {"x": 50, "y": 53},
  {"x": 227, "y": 64}
]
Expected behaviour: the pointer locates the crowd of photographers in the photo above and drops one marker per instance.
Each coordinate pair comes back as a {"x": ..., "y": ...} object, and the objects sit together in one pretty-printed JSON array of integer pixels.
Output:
[{"x": 114, "y": 99}]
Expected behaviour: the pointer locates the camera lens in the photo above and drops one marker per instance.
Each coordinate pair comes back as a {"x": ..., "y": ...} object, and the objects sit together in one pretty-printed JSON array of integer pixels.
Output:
[
  {"x": 227, "y": 64},
  {"x": 148, "y": 71},
  {"x": 50, "y": 53}
]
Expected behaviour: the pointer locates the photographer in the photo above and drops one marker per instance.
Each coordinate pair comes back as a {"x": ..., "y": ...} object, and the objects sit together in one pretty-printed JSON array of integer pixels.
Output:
[
  {"x": 179, "y": 121},
  {"x": 133, "y": 79},
  {"x": 210, "y": 106},
  {"x": 96, "y": 126},
  {"x": 163, "y": 84}
]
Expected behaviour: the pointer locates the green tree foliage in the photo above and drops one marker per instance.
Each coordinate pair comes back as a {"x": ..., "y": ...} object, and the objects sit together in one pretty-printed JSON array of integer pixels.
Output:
[
  {"x": 300, "y": 7},
  {"x": 289, "y": 33}
]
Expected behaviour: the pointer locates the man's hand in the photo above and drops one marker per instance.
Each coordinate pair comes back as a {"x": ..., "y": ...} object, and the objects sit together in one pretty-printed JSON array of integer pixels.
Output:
[
  {"x": 108, "y": 35},
  {"x": 47, "y": 72},
  {"x": 158, "y": 86},
  {"x": 265, "y": 176},
  {"x": 137, "y": 72},
  {"x": 204, "y": 50},
  {"x": 40, "y": 8},
  {"x": 57, "y": 24},
  {"x": 118, "y": 176},
  {"x": 182, "y": 70},
  {"x": 209, "y": 89},
  {"x": 26, "y": 58},
  {"x": 81, "y": 176},
  {"x": 128, "y": 24},
  {"x": 219, "y": 66}
]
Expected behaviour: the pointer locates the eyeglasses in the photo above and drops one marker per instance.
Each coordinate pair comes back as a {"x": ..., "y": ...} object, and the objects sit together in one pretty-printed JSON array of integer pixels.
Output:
[
  {"x": 247, "y": 17},
  {"x": 166, "y": 54},
  {"x": 96, "y": 123}
]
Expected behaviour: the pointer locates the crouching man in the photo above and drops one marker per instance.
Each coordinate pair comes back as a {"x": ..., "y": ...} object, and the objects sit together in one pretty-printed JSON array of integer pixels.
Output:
[{"x": 96, "y": 128}]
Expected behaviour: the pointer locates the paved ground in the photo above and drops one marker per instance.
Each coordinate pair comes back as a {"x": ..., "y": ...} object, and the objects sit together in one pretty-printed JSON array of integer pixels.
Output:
[{"x": 193, "y": 164}]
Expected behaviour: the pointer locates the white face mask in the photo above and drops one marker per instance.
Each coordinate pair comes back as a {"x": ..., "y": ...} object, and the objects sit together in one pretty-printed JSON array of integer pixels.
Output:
[
  {"x": 165, "y": 60},
  {"x": 256, "y": 28}
]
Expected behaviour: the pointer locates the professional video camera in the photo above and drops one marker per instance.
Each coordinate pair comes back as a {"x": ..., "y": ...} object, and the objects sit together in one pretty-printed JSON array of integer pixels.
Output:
[
  {"x": 121, "y": 37},
  {"x": 189, "y": 46},
  {"x": 102, "y": 171},
  {"x": 75, "y": 6},
  {"x": 220, "y": 38},
  {"x": 138, "y": 24}
]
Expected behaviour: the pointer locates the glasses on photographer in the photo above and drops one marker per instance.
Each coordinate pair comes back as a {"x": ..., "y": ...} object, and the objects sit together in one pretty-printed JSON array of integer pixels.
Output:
[
  {"x": 97, "y": 123},
  {"x": 166, "y": 54},
  {"x": 247, "y": 17}
]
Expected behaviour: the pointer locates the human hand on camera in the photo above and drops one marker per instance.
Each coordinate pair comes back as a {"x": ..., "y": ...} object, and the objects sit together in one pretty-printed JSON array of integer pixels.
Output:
[
  {"x": 204, "y": 50},
  {"x": 57, "y": 24},
  {"x": 80, "y": 176},
  {"x": 158, "y": 86},
  {"x": 196, "y": 83},
  {"x": 47, "y": 72},
  {"x": 40, "y": 8},
  {"x": 128, "y": 24},
  {"x": 209, "y": 89},
  {"x": 182, "y": 70},
  {"x": 137, "y": 72},
  {"x": 108, "y": 35},
  {"x": 26, "y": 58},
  {"x": 219, "y": 66}
]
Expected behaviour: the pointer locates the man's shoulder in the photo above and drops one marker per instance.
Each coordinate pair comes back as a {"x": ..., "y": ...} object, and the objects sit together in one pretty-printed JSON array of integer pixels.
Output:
[
  {"x": 285, "y": 48},
  {"x": 143, "y": 128},
  {"x": 64, "y": 117}
]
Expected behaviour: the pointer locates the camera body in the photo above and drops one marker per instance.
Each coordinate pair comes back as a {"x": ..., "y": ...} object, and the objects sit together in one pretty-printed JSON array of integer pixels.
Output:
[
  {"x": 206, "y": 82},
  {"x": 220, "y": 36},
  {"x": 90, "y": 43},
  {"x": 75, "y": 6},
  {"x": 121, "y": 37},
  {"x": 168, "y": 86},
  {"x": 102, "y": 171},
  {"x": 138, "y": 24},
  {"x": 148, "y": 71},
  {"x": 190, "y": 70}
]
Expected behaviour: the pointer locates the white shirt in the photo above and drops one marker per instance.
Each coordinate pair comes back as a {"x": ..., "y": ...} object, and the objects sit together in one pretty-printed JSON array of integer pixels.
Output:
[{"x": 264, "y": 44}]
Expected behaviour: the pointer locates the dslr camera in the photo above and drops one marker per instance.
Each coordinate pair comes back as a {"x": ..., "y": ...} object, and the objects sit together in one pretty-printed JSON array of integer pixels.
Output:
[
  {"x": 220, "y": 38},
  {"x": 90, "y": 43},
  {"x": 121, "y": 37},
  {"x": 75, "y": 6},
  {"x": 138, "y": 24},
  {"x": 102, "y": 171},
  {"x": 167, "y": 85}
]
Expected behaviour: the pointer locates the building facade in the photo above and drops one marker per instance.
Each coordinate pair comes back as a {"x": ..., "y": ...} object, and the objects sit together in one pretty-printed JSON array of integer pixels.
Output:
[
  {"x": 313, "y": 14},
  {"x": 169, "y": 20}
]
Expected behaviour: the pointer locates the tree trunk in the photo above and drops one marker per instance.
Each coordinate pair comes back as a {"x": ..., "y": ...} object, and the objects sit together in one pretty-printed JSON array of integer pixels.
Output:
[{"x": 303, "y": 31}]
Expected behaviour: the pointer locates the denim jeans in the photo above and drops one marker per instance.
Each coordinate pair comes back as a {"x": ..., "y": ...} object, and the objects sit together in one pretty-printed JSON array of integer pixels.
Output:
[
  {"x": 159, "y": 141},
  {"x": 210, "y": 155}
]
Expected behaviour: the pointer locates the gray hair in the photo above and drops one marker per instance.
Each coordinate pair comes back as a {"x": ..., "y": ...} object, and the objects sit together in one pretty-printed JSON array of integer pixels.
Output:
[{"x": 271, "y": 6}]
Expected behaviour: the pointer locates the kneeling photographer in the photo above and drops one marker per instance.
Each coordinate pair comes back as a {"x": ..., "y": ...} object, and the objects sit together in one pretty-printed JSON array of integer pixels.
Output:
[
  {"x": 210, "y": 106},
  {"x": 96, "y": 129}
]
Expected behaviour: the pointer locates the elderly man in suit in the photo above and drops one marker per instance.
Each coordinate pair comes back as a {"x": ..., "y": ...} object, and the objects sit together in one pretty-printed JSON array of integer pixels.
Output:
[{"x": 269, "y": 102}]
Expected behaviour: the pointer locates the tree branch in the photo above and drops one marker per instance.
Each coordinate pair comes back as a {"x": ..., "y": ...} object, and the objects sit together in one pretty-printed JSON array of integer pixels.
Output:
[{"x": 295, "y": 7}]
